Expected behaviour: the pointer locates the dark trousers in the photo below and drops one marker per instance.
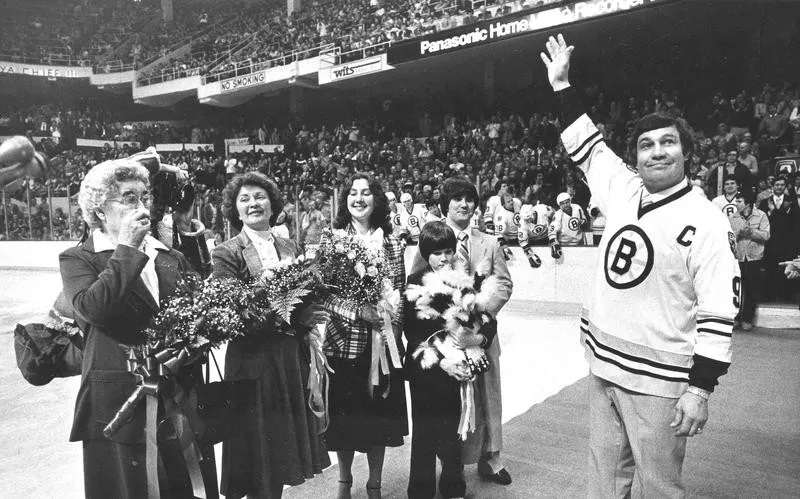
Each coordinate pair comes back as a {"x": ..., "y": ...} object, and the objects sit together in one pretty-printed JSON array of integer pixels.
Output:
[
  {"x": 778, "y": 287},
  {"x": 751, "y": 289},
  {"x": 435, "y": 412}
]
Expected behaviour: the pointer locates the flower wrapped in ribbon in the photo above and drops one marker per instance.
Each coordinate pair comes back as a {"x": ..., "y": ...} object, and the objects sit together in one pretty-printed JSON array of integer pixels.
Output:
[
  {"x": 461, "y": 302},
  {"x": 286, "y": 286},
  {"x": 357, "y": 270},
  {"x": 199, "y": 315}
]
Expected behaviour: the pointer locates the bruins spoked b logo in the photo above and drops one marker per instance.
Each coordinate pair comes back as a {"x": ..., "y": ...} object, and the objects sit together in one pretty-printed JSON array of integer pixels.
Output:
[
  {"x": 413, "y": 221},
  {"x": 516, "y": 219},
  {"x": 574, "y": 224},
  {"x": 538, "y": 230},
  {"x": 629, "y": 258}
]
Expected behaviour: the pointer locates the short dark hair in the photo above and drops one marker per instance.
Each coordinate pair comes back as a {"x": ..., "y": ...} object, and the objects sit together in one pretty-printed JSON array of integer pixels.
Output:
[
  {"x": 454, "y": 188},
  {"x": 748, "y": 197},
  {"x": 380, "y": 213},
  {"x": 730, "y": 177},
  {"x": 253, "y": 179},
  {"x": 654, "y": 121},
  {"x": 436, "y": 236}
]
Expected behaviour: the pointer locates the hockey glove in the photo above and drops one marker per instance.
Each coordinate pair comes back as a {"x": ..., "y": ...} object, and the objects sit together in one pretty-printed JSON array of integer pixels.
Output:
[
  {"x": 555, "y": 251},
  {"x": 533, "y": 258}
]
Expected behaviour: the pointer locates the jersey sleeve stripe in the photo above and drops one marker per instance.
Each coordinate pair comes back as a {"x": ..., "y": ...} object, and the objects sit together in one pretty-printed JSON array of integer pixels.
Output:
[
  {"x": 583, "y": 144},
  {"x": 633, "y": 358},
  {"x": 588, "y": 152}
]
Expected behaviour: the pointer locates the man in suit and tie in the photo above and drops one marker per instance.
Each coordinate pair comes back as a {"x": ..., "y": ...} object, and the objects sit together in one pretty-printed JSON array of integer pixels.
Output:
[
  {"x": 784, "y": 243},
  {"x": 481, "y": 254}
]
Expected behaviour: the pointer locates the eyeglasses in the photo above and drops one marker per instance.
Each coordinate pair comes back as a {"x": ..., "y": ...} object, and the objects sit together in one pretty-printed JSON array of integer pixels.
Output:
[{"x": 132, "y": 200}]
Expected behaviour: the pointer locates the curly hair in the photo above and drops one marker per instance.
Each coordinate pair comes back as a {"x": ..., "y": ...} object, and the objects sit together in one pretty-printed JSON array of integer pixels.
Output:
[
  {"x": 102, "y": 182},
  {"x": 380, "y": 213},
  {"x": 252, "y": 179}
]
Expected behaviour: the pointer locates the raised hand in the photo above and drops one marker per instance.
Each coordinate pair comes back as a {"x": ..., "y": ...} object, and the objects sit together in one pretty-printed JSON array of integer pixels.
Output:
[
  {"x": 134, "y": 227},
  {"x": 557, "y": 61}
]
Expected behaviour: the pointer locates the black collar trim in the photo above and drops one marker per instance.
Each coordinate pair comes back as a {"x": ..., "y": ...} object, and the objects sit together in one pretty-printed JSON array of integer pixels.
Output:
[{"x": 672, "y": 197}]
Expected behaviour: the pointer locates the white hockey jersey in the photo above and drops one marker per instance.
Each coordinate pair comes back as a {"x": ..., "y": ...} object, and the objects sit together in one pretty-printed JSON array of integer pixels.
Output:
[
  {"x": 725, "y": 204},
  {"x": 667, "y": 281},
  {"x": 494, "y": 203},
  {"x": 506, "y": 223},
  {"x": 411, "y": 223},
  {"x": 568, "y": 229},
  {"x": 534, "y": 223}
]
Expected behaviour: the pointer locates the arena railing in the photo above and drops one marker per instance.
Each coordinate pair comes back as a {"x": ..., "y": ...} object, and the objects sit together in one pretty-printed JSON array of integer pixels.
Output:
[
  {"x": 253, "y": 66},
  {"x": 49, "y": 60},
  {"x": 117, "y": 66}
]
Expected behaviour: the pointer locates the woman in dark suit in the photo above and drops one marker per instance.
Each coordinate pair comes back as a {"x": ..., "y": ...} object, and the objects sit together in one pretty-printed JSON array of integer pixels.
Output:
[
  {"x": 280, "y": 445},
  {"x": 114, "y": 281},
  {"x": 360, "y": 421}
]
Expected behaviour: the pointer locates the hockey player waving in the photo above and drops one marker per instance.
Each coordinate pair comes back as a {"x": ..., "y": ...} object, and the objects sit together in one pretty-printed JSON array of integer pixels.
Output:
[{"x": 657, "y": 327}]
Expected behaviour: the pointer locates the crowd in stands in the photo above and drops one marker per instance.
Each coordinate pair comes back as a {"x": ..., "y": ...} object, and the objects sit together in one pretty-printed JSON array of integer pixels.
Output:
[{"x": 738, "y": 134}]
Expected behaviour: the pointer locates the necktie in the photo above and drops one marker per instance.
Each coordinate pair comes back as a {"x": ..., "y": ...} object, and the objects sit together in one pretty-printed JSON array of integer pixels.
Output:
[{"x": 463, "y": 250}]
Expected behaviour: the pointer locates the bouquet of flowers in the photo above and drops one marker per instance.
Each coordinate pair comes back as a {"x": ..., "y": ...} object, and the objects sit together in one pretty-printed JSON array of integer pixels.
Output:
[
  {"x": 358, "y": 271},
  {"x": 352, "y": 269},
  {"x": 461, "y": 302},
  {"x": 288, "y": 284},
  {"x": 200, "y": 314}
]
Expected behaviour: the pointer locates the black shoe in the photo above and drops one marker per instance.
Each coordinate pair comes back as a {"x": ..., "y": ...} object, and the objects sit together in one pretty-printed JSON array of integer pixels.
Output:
[{"x": 502, "y": 477}]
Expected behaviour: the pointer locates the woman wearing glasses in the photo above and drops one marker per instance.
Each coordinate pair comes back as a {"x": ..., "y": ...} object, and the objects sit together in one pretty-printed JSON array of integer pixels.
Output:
[{"x": 115, "y": 280}]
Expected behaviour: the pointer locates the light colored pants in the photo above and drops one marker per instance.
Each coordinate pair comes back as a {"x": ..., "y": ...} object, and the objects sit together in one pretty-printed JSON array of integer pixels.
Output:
[{"x": 630, "y": 433}]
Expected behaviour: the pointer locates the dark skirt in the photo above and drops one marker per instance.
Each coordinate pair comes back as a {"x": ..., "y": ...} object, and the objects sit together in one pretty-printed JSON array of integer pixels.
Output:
[
  {"x": 359, "y": 422},
  {"x": 114, "y": 469},
  {"x": 281, "y": 445}
]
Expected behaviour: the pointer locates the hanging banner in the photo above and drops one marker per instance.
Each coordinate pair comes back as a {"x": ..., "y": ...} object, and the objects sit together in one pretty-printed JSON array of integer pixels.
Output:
[
  {"x": 19, "y": 68},
  {"x": 485, "y": 32}
]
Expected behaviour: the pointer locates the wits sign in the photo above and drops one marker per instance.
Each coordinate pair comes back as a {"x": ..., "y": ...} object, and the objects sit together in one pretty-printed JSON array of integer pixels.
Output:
[{"x": 366, "y": 66}]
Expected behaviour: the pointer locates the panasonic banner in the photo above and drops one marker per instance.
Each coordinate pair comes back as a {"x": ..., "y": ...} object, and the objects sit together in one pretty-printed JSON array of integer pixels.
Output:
[{"x": 476, "y": 34}]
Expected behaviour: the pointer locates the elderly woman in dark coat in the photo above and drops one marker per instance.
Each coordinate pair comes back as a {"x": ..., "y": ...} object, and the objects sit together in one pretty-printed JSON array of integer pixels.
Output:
[
  {"x": 280, "y": 445},
  {"x": 114, "y": 281}
]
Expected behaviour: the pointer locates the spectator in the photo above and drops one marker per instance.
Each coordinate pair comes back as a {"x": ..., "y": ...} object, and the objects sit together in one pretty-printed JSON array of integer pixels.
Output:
[
  {"x": 752, "y": 230},
  {"x": 784, "y": 242}
]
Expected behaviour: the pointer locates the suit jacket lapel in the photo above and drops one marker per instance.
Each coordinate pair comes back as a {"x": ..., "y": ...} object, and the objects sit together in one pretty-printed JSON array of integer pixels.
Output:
[
  {"x": 477, "y": 249},
  {"x": 168, "y": 273},
  {"x": 250, "y": 254},
  {"x": 284, "y": 248}
]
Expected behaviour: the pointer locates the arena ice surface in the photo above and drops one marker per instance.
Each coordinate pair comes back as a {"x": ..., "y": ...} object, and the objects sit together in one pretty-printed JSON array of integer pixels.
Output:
[{"x": 38, "y": 461}]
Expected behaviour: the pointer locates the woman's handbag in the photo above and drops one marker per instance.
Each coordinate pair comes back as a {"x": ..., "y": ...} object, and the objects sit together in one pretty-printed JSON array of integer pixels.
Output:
[
  {"x": 222, "y": 407},
  {"x": 52, "y": 350}
]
